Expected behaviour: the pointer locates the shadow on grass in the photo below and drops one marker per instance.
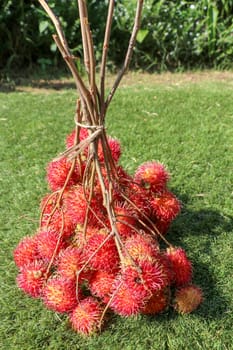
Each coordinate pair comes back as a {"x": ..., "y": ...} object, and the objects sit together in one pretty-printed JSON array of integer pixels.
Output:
[{"x": 204, "y": 226}]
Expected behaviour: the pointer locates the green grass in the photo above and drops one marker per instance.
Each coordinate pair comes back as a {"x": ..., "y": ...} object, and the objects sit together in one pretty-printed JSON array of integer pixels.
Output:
[{"x": 188, "y": 127}]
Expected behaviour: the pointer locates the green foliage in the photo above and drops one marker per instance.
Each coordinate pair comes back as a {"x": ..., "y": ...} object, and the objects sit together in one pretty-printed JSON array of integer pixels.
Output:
[
  {"x": 186, "y": 126},
  {"x": 173, "y": 35}
]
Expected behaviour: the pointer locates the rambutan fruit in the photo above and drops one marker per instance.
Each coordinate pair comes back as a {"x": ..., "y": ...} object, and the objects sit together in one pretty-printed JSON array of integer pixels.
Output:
[
  {"x": 48, "y": 244},
  {"x": 125, "y": 221},
  {"x": 141, "y": 247},
  {"x": 115, "y": 149},
  {"x": 180, "y": 265},
  {"x": 128, "y": 301},
  {"x": 76, "y": 207},
  {"x": 187, "y": 299},
  {"x": 82, "y": 236},
  {"x": 57, "y": 172},
  {"x": 101, "y": 284},
  {"x": 70, "y": 262},
  {"x": 31, "y": 278},
  {"x": 85, "y": 318},
  {"x": 25, "y": 252},
  {"x": 60, "y": 294},
  {"x": 166, "y": 206},
  {"x": 56, "y": 220},
  {"x": 105, "y": 258},
  {"x": 152, "y": 175},
  {"x": 150, "y": 276},
  {"x": 70, "y": 139},
  {"x": 157, "y": 303},
  {"x": 140, "y": 199}
]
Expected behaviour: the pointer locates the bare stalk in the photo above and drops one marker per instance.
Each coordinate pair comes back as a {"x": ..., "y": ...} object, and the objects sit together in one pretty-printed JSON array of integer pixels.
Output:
[
  {"x": 104, "y": 55},
  {"x": 128, "y": 54}
]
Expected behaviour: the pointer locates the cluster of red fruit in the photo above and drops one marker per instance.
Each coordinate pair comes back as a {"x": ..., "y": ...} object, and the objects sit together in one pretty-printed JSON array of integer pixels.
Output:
[{"x": 76, "y": 265}]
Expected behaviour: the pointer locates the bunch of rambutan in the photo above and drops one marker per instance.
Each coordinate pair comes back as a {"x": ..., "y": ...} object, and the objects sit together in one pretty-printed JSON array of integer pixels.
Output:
[{"x": 79, "y": 265}]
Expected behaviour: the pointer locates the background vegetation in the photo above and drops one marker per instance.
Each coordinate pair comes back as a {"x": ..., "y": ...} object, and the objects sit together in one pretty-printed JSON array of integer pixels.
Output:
[
  {"x": 174, "y": 34},
  {"x": 186, "y": 126}
]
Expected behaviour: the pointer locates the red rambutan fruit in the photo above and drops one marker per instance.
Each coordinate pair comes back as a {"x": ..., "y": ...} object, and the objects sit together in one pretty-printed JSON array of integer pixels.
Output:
[
  {"x": 105, "y": 258},
  {"x": 60, "y": 294},
  {"x": 85, "y": 318},
  {"x": 81, "y": 237},
  {"x": 56, "y": 220},
  {"x": 140, "y": 198},
  {"x": 48, "y": 244},
  {"x": 152, "y": 175},
  {"x": 31, "y": 278},
  {"x": 70, "y": 139},
  {"x": 158, "y": 302},
  {"x": 76, "y": 207},
  {"x": 180, "y": 265},
  {"x": 151, "y": 277},
  {"x": 115, "y": 149},
  {"x": 166, "y": 206},
  {"x": 70, "y": 262},
  {"x": 101, "y": 284},
  {"x": 187, "y": 299},
  {"x": 141, "y": 247},
  {"x": 125, "y": 221},
  {"x": 127, "y": 301},
  {"x": 25, "y": 252}
]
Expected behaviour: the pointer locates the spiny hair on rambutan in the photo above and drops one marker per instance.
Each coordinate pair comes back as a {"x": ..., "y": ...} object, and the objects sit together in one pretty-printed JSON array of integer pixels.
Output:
[
  {"x": 56, "y": 219},
  {"x": 83, "y": 234},
  {"x": 187, "y": 299},
  {"x": 76, "y": 207},
  {"x": 70, "y": 261},
  {"x": 141, "y": 247},
  {"x": 101, "y": 284},
  {"x": 181, "y": 266},
  {"x": 166, "y": 206},
  {"x": 114, "y": 147},
  {"x": 157, "y": 303},
  {"x": 57, "y": 173},
  {"x": 152, "y": 175},
  {"x": 86, "y": 316},
  {"x": 102, "y": 252},
  {"x": 31, "y": 278},
  {"x": 60, "y": 294},
  {"x": 128, "y": 301},
  {"x": 49, "y": 243},
  {"x": 26, "y": 251},
  {"x": 139, "y": 201}
]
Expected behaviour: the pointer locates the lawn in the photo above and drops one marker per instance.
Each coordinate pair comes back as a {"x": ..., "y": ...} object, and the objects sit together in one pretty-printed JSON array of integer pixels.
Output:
[{"x": 185, "y": 124}]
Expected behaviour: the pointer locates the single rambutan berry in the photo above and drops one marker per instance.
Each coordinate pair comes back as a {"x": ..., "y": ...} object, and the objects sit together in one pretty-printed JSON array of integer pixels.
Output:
[
  {"x": 31, "y": 279},
  {"x": 180, "y": 265},
  {"x": 76, "y": 207},
  {"x": 25, "y": 252},
  {"x": 101, "y": 284},
  {"x": 70, "y": 262},
  {"x": 86, "y": 317},
  {"x": 115, "y": 149},
  {"x": 152, "y": 175},
  {"x": 141, "y": 247},
  {"x": 166, "y": 206},
  {"x": 48, "y": 244},
  {"x": 158, "y": 302},
  {"x": 70, "y": 139},
  {"x": 127, "y": 301},
  {"x": 56, "y": 220},
  {"x": 187, "y": 299},
  {"x": 150, "y": 276},
  {"x": 60, "y": 294},
  {"x": 125, "y": 221},
  {"x": 105, "y": 258},
  {"x": 140, "y": 201}
]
